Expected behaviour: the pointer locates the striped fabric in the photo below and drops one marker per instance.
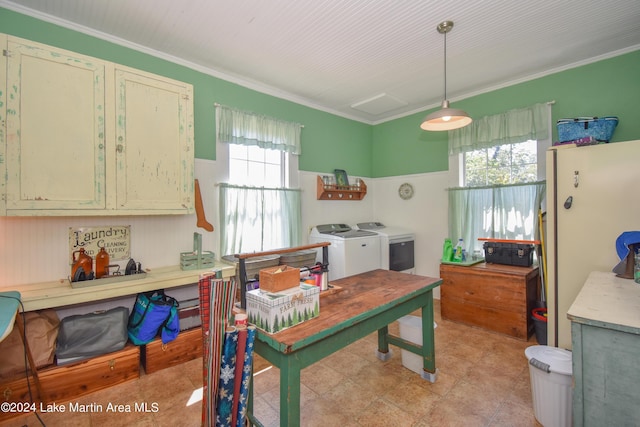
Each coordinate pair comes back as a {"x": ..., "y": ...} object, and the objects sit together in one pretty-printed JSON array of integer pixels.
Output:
[{"x": 216, "y": 302}]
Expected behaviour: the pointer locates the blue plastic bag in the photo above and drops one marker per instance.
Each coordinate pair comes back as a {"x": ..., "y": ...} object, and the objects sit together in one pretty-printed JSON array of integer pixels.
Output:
[{"x": 153, "y": 313}]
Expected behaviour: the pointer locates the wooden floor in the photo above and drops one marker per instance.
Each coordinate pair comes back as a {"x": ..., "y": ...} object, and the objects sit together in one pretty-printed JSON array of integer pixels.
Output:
[{"x": 483, "y": 380}]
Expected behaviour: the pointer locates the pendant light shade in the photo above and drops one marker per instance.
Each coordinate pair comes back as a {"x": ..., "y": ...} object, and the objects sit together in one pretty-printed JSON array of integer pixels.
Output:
[{"x": 446, "y": 118}]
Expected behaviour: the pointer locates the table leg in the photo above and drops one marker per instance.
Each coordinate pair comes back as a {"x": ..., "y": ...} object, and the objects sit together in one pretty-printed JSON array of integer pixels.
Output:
[
  {"x": 383, "y": 352},
  {"x": 290, "y": 392},
  {"x": 250, "y": 400},
  {"x": 428, "y": 341}
]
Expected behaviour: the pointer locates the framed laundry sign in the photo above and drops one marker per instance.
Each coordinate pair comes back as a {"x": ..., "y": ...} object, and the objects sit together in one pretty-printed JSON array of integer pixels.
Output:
[{"x": 116, "y": 239}]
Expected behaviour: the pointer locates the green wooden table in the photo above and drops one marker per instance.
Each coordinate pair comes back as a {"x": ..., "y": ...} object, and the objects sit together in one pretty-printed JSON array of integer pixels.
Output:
[{"x": 366, "y": 303}]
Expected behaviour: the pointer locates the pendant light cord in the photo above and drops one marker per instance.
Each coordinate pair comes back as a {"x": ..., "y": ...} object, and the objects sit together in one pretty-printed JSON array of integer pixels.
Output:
[{"x": 445, "y": 65}]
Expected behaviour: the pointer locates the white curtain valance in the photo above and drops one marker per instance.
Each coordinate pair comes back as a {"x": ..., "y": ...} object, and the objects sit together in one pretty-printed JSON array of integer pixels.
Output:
[
  {"x": 510, "y": 127},
  {"x": 247, "y": 128}
]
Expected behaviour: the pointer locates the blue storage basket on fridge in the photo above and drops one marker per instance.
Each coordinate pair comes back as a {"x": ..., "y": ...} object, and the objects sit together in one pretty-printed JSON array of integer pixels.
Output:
[{"x": 600, "y": 128}]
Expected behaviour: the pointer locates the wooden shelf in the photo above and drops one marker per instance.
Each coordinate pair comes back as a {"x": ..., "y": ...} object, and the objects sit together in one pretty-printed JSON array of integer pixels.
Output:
[{"x": 334, "y": 192}]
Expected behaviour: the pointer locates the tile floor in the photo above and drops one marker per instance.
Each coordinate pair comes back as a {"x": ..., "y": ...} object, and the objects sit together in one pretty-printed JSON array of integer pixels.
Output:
[{"x": 483, "y": 380}]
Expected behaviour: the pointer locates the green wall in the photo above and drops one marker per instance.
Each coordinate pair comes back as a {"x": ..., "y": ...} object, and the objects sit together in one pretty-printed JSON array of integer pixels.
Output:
[
  {"x": 609, "y": 87},
  {"x": 606, "y": 88},
  {"x": 328, "y": 141}
]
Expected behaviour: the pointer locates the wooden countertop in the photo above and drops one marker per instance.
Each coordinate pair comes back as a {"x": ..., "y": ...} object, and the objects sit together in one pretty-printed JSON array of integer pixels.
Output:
[
  {"x": 607, "y": 299},
  {"x": 362, "y": 296},
  {"x": 37, "y": 296}
]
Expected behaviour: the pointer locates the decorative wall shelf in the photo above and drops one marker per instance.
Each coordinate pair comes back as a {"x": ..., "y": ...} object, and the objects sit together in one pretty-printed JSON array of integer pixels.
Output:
[{"x": 335, "y": 192}]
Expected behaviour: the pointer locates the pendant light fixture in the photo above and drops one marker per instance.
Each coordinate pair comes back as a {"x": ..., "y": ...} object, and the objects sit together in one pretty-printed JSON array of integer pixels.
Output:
[{"x": 445, "y": 118}]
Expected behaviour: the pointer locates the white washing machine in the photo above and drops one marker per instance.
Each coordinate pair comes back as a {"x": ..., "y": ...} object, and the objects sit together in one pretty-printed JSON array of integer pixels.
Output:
[
  {"x": 397, "y": 246},
  {"x": 350, "y": 252}
]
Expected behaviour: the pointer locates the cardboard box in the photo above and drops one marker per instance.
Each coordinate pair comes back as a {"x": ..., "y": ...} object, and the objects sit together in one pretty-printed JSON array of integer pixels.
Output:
[
  {"x": 275, "y": 312},
  {"x": 280, "y": 278}
]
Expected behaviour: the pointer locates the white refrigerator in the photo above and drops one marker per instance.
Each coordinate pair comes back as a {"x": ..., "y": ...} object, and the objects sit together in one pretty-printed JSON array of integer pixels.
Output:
[{"x": 593, "y": 196}]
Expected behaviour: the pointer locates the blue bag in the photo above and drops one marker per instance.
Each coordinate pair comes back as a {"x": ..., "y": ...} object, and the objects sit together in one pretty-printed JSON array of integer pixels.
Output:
[
  {"x": 582, "y": 127},
  {"x": 152, "y": 313}
]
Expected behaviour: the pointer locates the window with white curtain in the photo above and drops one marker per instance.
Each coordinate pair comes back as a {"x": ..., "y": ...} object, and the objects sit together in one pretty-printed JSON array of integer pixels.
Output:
[
  {"x": 501, "y": 162},
  {"x": 259, "y": 206}
]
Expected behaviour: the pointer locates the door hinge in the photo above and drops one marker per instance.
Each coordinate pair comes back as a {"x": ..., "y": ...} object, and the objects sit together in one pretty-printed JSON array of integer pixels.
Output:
[{"x": 5, "y": 52}]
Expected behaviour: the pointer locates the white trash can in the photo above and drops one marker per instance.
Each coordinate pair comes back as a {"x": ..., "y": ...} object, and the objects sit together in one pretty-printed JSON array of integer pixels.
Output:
[
  {"x": 551, "y": 376},
  {"x": 411, "y": 330}
]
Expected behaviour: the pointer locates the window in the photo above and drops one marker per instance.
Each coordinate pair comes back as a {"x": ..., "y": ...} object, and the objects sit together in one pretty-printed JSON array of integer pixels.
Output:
[
  {"x": 498, "y": 161},
  {"x": 259, "y": 204},
  {"x": 252, "y": 165},
  {"x": 503, "y": 164}
]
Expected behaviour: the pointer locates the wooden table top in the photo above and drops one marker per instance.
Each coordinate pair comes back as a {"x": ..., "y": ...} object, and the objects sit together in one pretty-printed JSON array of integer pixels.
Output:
[{"x": 362, "y": 296}]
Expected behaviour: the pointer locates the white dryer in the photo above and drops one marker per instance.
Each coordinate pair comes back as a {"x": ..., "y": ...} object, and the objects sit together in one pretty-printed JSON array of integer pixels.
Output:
[
  {"x": 397, "y": 246},
  {"x": 350, "y": 252}
]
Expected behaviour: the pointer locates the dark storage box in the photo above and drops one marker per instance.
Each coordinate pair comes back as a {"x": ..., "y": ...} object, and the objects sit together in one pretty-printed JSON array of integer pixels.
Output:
[{"x": 508, "y": 253}]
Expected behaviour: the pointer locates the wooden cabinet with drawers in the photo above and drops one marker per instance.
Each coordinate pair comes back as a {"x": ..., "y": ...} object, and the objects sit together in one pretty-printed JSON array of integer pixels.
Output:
[{"x": 491, "y": 296}]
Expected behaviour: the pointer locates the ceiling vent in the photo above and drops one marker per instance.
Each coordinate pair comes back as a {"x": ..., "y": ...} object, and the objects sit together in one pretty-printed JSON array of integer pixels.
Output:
[{"x": 379, "y": 104}]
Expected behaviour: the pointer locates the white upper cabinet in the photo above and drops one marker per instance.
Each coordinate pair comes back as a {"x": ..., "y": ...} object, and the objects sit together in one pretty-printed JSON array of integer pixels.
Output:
[
  {"x": 154, "y": 149},
  {"x": 89, "y": 137}
]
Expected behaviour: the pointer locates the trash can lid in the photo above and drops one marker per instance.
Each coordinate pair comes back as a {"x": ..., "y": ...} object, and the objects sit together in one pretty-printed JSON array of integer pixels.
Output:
[{"x": 558, "y": 359}]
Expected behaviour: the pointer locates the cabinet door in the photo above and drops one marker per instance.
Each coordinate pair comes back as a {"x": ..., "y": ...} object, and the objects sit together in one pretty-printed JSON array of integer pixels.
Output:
[
  {"x": 55, "y": 129},
  {"x": 154, "y": 143}
]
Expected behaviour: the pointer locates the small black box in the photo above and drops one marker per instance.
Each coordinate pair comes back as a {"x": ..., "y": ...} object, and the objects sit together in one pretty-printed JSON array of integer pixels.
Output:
[{"x": 508, "y": 253}]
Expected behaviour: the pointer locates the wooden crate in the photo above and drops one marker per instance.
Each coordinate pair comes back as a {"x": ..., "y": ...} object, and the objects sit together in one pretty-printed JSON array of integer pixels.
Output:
[
  {"x": 197, "y": 259},
  {"x": 156, "y": 356},
  {"x": 67, "y": 382},
  {"x": 280, "y": 278},
  {"x": 491, "y": 296},
  {"x": 64, "y": 383},
  {"x": 15, "y": 390}
]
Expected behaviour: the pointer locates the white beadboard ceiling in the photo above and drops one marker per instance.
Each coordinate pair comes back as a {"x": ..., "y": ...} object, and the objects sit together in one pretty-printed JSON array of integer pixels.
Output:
[{"x": 368, "y": 60}]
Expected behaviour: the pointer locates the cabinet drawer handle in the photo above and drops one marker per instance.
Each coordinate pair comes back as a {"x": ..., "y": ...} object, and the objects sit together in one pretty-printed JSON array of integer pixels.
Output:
[{"x": 112, "y": 364}]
